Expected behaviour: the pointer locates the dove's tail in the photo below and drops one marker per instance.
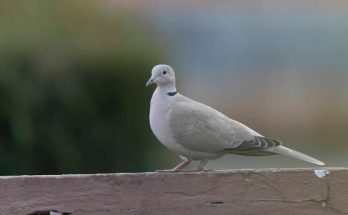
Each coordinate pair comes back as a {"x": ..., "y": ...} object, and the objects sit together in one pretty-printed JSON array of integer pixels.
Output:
[{"x": 282, "y": 150}]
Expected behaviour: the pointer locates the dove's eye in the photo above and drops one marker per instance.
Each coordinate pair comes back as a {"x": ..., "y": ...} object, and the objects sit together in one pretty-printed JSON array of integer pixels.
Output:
[{"x": 164, "y": 72}]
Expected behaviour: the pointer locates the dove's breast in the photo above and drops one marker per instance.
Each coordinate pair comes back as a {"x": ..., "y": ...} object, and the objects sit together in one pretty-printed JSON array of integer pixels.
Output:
[
  {"x": 159, "y": 121},
  {"x": 160, "y": 125}
]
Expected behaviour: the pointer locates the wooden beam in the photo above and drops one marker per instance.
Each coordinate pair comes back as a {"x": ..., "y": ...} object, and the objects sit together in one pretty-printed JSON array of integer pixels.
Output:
[{"x": 264, "y": 191}]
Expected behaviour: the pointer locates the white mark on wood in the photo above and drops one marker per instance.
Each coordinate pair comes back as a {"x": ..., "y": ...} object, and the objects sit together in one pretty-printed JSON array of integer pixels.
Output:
[{"x": 321, "y": 173}]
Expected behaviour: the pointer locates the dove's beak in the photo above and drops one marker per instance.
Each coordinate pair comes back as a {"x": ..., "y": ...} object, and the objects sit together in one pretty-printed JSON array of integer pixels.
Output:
[{"x": 150, "y": 81}]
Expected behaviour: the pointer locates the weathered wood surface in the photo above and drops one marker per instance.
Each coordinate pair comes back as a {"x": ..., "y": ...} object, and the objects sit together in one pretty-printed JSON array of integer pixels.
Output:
[{"x": 267, "y": 191}]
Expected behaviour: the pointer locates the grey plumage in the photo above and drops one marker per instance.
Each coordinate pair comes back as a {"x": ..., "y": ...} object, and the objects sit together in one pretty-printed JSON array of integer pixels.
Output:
[
  {"x": 199, "y": 132},
  {"x": 256, "y": 147}
]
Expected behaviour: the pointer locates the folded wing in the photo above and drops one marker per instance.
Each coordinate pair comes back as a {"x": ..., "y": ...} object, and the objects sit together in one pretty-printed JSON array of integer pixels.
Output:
[{"x": 198, "y": 127}]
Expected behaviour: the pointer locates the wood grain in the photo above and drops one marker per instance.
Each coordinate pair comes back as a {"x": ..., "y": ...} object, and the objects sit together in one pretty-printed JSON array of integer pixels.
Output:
[{"x": 264, "y": 191}]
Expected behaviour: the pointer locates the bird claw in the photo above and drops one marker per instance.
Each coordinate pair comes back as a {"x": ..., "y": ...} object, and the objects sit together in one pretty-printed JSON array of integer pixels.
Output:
[
  {"x": 203, "y": 170},
  {"x": 167, "y": 170}
]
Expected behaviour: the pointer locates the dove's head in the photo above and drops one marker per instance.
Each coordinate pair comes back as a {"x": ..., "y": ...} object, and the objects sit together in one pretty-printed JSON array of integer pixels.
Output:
[{"x": 163, "y": 75}]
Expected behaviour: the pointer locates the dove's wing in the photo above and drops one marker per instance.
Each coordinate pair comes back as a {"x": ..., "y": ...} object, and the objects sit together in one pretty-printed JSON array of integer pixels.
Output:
[
  {"x": 198, "y": 127},
  {"x": 256, "y": 147}
]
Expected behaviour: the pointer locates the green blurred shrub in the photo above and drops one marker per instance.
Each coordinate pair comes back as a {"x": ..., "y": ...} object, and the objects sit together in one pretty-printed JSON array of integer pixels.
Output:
[{"x": 72, "y": 96}]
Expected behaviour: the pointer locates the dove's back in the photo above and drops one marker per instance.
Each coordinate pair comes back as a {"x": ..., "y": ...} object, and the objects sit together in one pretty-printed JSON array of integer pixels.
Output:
[{"x": 203, "y": 130}]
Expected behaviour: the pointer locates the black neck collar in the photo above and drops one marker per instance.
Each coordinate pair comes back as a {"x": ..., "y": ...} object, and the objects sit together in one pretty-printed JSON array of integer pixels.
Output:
[{"x": 172, "y": 93}]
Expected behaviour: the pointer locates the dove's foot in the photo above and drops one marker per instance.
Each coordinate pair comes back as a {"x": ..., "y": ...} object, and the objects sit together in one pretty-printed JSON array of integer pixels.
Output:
[
  {"x": 203, "y": 170},
  {"x": 178, "y": 168},
  {"x": 201, "y": 166},
  {"x": 166, "y": 170}
]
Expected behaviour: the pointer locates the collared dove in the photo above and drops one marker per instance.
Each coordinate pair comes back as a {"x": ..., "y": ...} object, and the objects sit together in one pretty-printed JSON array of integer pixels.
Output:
[{"x": 198, "y": 132}]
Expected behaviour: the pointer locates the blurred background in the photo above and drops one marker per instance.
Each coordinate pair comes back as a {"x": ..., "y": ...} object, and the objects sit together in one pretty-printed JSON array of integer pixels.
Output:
[{"x": 73, "y": 73}]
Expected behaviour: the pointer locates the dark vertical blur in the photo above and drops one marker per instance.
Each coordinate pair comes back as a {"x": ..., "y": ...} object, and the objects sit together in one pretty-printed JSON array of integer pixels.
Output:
[{"x": 72, "y": 78}]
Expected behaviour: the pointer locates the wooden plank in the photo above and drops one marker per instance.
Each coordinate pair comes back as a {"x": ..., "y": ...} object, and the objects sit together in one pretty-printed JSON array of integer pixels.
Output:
[{"x": 265, "y": 191}]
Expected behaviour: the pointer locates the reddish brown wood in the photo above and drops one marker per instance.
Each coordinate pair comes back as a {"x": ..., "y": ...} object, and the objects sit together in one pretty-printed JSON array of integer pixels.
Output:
[{"x": 266, "y": 191}]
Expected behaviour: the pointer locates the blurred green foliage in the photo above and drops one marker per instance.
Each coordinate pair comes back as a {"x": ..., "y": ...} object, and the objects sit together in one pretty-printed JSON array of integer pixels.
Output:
[{"x": 72, "y": 88}]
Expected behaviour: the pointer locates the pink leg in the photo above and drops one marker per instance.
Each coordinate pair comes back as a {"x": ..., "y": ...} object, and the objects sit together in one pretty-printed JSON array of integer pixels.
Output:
[
  {"x": 181, "y": 165},
  {"x": 201, "y": 165}
]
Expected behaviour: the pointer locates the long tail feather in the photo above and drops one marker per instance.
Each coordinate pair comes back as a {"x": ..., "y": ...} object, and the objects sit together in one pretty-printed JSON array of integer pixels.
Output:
[{"x": 295, "y": 154}]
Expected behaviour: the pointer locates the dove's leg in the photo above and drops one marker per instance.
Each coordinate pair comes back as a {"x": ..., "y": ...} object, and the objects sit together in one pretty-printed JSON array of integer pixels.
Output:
[
  {"x": 178, "y": 168},
  {"x": 181, "y": 165},
  {"x": 201, "y": 165}
]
